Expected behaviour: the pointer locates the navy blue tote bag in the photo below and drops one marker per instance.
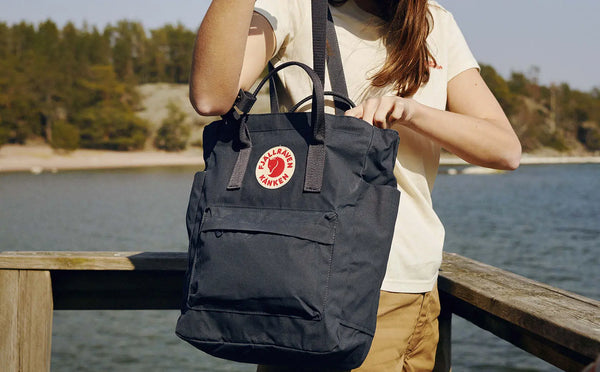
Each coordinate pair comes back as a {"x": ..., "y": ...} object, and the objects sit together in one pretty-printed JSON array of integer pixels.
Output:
[{"x": 290, "y": 227}]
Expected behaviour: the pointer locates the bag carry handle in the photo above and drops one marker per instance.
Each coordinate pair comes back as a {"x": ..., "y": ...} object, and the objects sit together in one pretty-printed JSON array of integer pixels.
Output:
[
  {"x": 315, "y": 162},
  {"x": 324, "y": 35},
  {"x": 343, "y": 99},
  {"x": 326, "y": 49}
]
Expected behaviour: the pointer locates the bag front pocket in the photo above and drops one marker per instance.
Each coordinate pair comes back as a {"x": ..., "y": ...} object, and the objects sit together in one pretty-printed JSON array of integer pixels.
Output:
[{"x": 262, "y": 261}]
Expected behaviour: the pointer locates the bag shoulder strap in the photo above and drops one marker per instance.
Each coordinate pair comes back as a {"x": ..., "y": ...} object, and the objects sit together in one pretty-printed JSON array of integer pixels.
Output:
[
  {"x": 334, "y": 60},
  {"x": 319, "y": 37},
  {"x": 326, "y": 47},
  {"x": 326, "y": 50}
]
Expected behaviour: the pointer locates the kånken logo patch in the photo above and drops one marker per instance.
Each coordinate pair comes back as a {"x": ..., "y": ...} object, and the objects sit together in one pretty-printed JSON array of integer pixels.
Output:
[{"x": 275, "y": 167}]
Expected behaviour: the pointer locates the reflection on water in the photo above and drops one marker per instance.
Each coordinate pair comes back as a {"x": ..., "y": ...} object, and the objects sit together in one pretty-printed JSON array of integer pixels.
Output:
[{"x": 540, "y": 222}]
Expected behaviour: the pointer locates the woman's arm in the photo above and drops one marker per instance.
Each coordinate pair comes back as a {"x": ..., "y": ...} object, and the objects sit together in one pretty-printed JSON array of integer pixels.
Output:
[
  {"x": 233, "y": 45},
  {"x": 474, "y": 128}
]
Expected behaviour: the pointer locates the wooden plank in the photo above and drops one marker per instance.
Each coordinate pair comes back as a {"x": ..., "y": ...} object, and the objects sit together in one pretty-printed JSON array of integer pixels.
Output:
[
  {"x": 561, "y": 320},
  {"x": 553, "y": 353},
  {"x": 34, "y": 321},
  {"x": 93, "y": 260},
  {"x": 117, "y": 290},
  {"x": 558, "y": 326},
  {"x": 9, "y": 289}
]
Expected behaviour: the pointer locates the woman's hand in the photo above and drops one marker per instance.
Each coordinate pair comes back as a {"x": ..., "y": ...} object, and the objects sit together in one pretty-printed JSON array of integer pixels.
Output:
[
  {"x": 474, "y": 127},
  {"x": 384, "y": 112}
]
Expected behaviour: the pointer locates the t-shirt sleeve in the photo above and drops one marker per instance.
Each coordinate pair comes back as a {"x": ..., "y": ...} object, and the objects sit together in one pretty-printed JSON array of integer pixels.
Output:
[
  {"x": 280, "y": 15},
  {"x": 460, "y": 57}
]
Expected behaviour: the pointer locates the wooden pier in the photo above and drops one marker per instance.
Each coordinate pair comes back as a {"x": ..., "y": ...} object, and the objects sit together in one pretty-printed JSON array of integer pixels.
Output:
[{"x": 558, "y": 326}]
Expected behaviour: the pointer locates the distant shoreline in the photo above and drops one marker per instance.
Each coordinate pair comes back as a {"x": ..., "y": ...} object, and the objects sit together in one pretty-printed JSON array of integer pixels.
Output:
[
  {"x": 41, "y": 158},
  {"x": 528, "y": 159}
]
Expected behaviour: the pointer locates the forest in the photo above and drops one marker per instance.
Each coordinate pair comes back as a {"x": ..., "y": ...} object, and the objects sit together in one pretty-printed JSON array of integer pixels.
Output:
[{"x": 78, "y": 88}]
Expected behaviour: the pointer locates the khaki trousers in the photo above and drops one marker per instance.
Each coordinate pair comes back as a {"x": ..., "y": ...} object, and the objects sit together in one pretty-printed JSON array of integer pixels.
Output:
[{"x": 406, "y": 335}]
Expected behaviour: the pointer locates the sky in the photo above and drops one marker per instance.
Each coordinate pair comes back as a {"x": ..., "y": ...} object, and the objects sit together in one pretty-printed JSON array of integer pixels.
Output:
[{"x": 559, "y": 37}]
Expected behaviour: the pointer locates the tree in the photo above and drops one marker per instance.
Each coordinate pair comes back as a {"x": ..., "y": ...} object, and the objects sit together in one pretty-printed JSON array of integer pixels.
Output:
[
  {"x": 4, "y": 134},
  {"x": 518, "y": 83},
  {"x": 110, "y": 128},
  {"x": 499, "y": 87},
  {"x": 128, "y": 41},
  {"x": 4, "y": 40},
  {"x": 157, "y": 58},
  {"x": 15, "y": 96},
  {"x": 589, "y": 134},
  {"x": 44, "y": 79},
  {"x": 107, "y": 119},
  {"x": 173, "y": 134},
  {"x": 97, "y": 47},
  {"x": 65, "y": 136},
  {"x": 177, "y": 45}
]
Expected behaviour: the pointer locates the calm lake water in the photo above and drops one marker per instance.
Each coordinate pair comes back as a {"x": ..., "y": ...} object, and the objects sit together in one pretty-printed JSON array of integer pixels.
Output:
[{"x": 542, "y": 222}]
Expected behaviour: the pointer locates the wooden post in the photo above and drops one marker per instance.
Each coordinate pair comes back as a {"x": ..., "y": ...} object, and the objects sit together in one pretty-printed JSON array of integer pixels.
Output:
[
  {"x": 26, "y": 322},
  {"x": 9, "y": 341}
]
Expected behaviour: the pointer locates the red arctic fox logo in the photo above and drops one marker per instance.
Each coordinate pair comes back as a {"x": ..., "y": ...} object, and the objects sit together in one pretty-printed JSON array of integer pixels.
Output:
[{"x": 275, "y": 167}]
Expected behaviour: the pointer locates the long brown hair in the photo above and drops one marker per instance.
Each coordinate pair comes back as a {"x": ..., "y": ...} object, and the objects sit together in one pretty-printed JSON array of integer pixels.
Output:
[{"x": 407, "y": 23}]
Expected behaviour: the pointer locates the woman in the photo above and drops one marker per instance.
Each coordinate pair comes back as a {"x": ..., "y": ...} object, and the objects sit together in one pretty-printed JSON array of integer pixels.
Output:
[{"x": 408, "y": 64}]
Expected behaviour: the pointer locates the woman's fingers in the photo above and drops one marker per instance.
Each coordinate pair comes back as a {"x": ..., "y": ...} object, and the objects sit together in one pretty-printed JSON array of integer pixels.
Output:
[
  {"x": 382, "y": 111},
  {"x": 403, "y": 111},
  {"x": 356, "y": 112},
  {"x": 370, "y": 107}
]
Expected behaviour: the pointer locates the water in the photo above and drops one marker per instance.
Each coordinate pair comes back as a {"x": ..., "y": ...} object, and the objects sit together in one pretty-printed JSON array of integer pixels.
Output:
[{"x": 540, "y": 221}]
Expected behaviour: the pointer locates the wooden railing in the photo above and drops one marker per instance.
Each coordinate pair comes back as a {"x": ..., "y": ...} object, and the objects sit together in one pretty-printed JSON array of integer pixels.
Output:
[{"x": 555, "y": 325}]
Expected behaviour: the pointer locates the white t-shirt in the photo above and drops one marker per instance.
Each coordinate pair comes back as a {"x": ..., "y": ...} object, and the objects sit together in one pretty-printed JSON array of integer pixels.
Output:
[{"x": 416, "y": 252}]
